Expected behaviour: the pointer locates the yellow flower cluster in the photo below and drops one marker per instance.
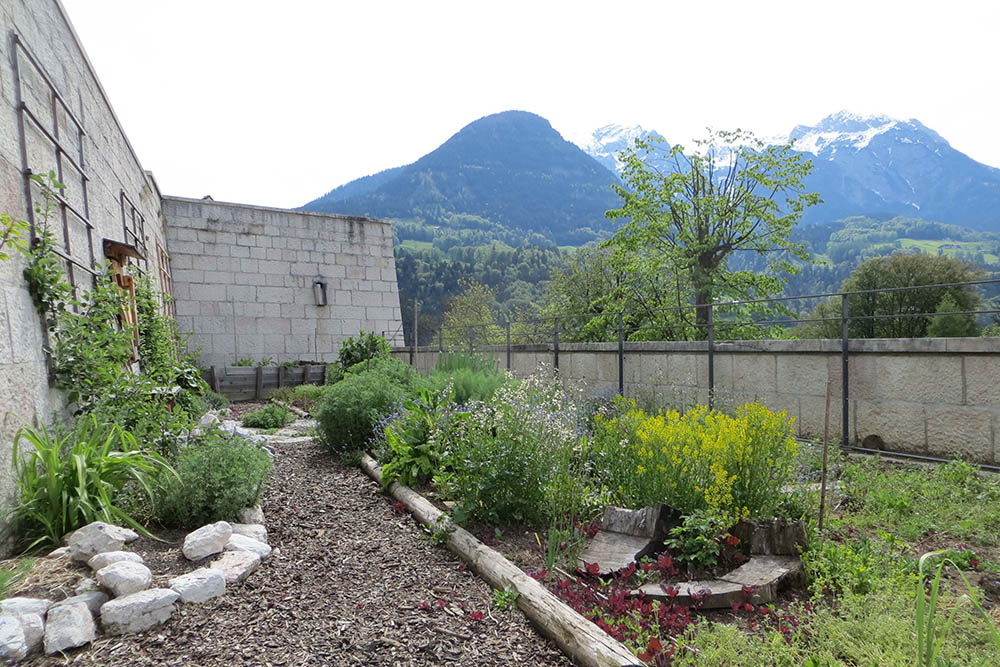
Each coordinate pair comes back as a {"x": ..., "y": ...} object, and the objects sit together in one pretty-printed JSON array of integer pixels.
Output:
[{"x": 733, "y": 466}]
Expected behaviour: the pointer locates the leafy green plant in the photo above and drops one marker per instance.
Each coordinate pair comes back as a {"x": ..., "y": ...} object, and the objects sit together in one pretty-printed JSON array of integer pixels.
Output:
[
  {"x": 67, "y": 481},
  {"x": 216, "y": 478},
  {"x": 270, "y": 416},
  {"x": 394, "y": 370},
  {"x": 12, "y": 232},
  {"x": 267, "y": 361},
  {"x": 349, "y": 410},
  {"x": 505, "y": 598},
  {"x": 697, "y": 540},
  {"x": 437, "y": 533},
  {"x": 44, "y": 273},
  {"x": 245, "y": 362},
  {"x": 412, "y": 455},
  {"x": 930, "y": 638},
  {"x": 215, "y": 401},
  {"x": 366, "y": 346}
]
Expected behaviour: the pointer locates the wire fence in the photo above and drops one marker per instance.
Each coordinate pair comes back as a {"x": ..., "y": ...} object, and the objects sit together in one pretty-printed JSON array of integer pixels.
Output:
[{"x": 897, "y": 312}]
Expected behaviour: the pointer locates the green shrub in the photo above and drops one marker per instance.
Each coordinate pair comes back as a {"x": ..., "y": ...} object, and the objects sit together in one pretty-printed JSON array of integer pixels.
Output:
[
  {"x": 270, "y": 416},
  {"x": 147, "y": 410},
  {"x": 366, "y": 346},
  {"x": 394, "y": 370},
  {"x": 216, "y": 478},
  {"x": 283, "y": 394},
  {"x": 350, "y": 409},
  {"x": 67, "y": 481},
  {"x": 334, "y": 373},
  {"x": 409, "y": 453},
  {"x": 214, "y": 401},
  {"x": 465, "y": 384},
  {"x": 517, "y": 459}
]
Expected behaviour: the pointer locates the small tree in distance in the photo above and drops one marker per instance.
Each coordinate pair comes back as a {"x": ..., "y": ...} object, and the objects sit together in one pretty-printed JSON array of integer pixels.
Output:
[{"x": 469, "y": 321}]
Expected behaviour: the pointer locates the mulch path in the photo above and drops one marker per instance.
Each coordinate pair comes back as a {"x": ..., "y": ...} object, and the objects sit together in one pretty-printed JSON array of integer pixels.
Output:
[{"x": 354, "y": 583}]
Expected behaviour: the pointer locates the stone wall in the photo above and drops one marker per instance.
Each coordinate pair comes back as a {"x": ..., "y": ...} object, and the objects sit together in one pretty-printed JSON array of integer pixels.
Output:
[
  {"x": 244, "y": 275},
  {"x": 935, "y": 397},
  {"x": 112, "y": 171}
]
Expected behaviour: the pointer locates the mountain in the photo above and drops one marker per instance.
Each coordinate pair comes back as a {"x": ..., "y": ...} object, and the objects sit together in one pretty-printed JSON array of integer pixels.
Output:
[
  {"x": 607, "y": 142},
  {"x": 505, "y": 172},
  {"x": 876, "y": 166}
]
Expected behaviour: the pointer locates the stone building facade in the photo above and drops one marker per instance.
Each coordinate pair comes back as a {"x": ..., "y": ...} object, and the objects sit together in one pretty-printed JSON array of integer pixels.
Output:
[{"x": 242, "y": 277}]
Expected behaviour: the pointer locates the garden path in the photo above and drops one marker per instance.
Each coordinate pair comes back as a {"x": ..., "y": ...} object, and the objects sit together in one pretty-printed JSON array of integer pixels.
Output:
[{"x": 346, "y": 589}]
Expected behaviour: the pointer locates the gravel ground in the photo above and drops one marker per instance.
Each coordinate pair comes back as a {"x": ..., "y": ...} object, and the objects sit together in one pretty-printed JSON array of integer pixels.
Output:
[{"x": 354, "y": 584}]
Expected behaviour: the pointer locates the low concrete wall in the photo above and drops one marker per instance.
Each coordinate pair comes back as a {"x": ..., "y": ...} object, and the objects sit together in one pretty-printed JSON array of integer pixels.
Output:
[{"x": 930, "y": 396}]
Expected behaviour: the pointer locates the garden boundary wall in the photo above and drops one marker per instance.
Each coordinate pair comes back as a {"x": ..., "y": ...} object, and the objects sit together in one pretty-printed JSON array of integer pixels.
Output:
[
  {"x": 255, "y": 282},
  {"x": 935, "y": 397},
  {"x": 54, "y": 116}
]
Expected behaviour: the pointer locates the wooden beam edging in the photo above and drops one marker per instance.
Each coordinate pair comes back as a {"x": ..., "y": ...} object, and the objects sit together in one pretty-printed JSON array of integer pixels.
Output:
[
  {"x": 578, "y": 638},
  {"x": 290, "y": 407}
]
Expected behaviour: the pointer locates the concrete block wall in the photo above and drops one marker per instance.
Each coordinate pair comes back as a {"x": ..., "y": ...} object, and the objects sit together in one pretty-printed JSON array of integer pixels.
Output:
[
  {"x": 112, "y": 168},
  {"x": 934, "y": 397},
  {"x": 243, "y": 278}
]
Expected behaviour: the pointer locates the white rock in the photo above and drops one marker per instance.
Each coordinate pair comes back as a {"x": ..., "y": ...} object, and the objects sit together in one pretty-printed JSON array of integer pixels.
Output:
[
  {"x": 22, "y": 606},
  {"x": 93, "y": 600},
  {"x": 252, "y": 515},
  {"x": 58, "y": 553},
  {"x": 96, "y": 538},
  {"x": 256, "y": 531},
  {"x": 200, "y": 585},
  {"x": 236, "y": 565},
  {"x": 139, "y": 611},
  {"x": 101, "y": 561},
  {"x": 125, "y": 577},
  {"x": 207, "y": 540},
  {"x": 87, "y": 585},
  {"x": 34, "y": 629},
  {"x": 207, "y": 420},
  {"x": 69, "y": 626},
  {"x": 12, "y": 643},
  {"x": 244, "y": 543},
  {"x": 228, "y": 426}
]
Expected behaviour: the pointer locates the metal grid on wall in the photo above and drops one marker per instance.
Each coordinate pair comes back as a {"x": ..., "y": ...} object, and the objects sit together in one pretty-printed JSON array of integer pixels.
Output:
[
  {"x": 134, "y": 231},
  {"x": 166, "y": 282},
  {"x": 45, "y": 113}
]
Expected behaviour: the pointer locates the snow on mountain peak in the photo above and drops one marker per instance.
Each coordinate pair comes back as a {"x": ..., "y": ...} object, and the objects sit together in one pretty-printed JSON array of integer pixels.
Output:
[
  {"x": 606, "y": 142},
  {"x": 842, "y": 130}
]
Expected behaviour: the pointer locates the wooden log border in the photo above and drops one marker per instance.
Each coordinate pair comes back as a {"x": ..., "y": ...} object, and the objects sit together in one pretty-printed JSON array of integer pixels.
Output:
[{"x": 578, "y": 638}]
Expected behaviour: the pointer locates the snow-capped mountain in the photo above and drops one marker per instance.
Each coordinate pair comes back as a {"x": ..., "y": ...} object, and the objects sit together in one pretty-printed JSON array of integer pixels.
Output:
[
  {"x": 878, "y": 166},
  {"x": 607, "y": 142}
]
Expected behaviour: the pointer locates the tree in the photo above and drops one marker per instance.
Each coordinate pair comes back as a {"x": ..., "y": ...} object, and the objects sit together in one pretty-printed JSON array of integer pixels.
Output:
[
  {"x": 874, "y": 312},
  {"x": 684, "y": 222},
  {"x": 469, "y": 320}
]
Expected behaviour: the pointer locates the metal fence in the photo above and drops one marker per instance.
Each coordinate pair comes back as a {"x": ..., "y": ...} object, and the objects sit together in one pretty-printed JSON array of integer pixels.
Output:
[{"x": 713, "y": 323}]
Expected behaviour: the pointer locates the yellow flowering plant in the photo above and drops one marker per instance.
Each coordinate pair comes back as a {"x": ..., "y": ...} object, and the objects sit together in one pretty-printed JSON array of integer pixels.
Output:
[{"x": 732, "y": 466}]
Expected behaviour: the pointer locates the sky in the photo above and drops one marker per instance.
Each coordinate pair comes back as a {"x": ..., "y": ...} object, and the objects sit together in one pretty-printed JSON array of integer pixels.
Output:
[{"x": 275, "y": 104}]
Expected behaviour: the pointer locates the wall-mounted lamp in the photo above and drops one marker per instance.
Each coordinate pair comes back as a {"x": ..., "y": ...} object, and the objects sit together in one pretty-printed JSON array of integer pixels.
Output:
[{"x": 319, "y": 292}]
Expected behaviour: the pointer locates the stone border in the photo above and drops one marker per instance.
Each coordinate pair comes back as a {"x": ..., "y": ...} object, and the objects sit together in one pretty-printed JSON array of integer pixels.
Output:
[{"x": 578, "y": 638}]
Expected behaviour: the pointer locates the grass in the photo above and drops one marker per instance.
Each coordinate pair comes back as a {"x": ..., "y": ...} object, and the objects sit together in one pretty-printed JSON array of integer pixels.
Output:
[
  {"x": 13, "y": 571},
  {"x": 932, "y": 247}
]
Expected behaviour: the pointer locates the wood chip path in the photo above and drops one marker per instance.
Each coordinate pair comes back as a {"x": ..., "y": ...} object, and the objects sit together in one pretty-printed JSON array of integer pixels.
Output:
[{"x": 347, "y": 589}]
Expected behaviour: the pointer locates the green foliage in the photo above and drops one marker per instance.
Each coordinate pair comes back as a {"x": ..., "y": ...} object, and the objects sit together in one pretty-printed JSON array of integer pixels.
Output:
[
  {"x": 901, "y": 270},
  {"x": 90, "y": 350},
  {"x": 350, "y": 409},
  {"x": 950, "y": 501},
  {"x": 267, "y": 361},
  {"x": 948, "y": 323},
  {"x": 698, "y": 539},
  {"x": 12, "y": 233},
  {"x": 12, "y": 572},
  {"x": 270, "y": 416},
  {"x": 467, "y": 377},
  {"x": 505, "y": 598},
  {"x": 412, "y": 456},
  {"x": 43, "y": 273},
  {"x": 245, "y": 362},
  {"x": 215, "y": 401},
  {"x": 857, "y": 566},
  {"x": 366, "y": 346},
  {"x": 469, "y": 321},
  {"x": 396, "y": 371},
  {"x": 734, "y": 466},
  {"x": 216, "y": 478},
  {"x": 68, "y": 480},
  {"x": 733, "y": 193},
  {"x": 991, "y": 331}
]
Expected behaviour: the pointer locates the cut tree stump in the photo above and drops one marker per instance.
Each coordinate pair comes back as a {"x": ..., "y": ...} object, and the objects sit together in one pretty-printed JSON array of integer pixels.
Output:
[
  {"x": 769, "y": 574},
  {"x": 581, "y": 640},
  {"x": 774, "y": 537},
  {"x": 627, "y": 536}
]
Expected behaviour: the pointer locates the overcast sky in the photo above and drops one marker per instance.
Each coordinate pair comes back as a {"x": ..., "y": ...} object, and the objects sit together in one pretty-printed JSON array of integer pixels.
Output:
[{"x": 275, "y": 103}]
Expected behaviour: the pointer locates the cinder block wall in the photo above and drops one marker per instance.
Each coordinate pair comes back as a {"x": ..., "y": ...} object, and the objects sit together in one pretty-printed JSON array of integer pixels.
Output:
[
  {"x": 243, "y": 278},
  {"x": 111, "y": 168},
  {"x": 930, "y": 396}
]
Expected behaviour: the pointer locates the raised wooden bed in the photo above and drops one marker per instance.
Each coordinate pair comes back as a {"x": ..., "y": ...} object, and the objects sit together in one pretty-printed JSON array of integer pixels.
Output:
[{"x": 244, "y": 383}]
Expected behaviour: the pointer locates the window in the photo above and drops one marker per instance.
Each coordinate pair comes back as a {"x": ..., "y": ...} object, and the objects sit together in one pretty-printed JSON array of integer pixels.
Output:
[{"x": 134, "y": 229}]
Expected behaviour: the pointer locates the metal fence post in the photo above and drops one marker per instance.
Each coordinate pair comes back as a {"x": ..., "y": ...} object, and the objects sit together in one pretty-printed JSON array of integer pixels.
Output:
[
  {"x": 711, "y": 356},
  {"x": 441, "y": 339},
  {"x": 844, "y": 390},
  {"x": 555, "y": 344},
  {"x": 508, "y": 343},
  {"x": 621, "y": 355}
]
